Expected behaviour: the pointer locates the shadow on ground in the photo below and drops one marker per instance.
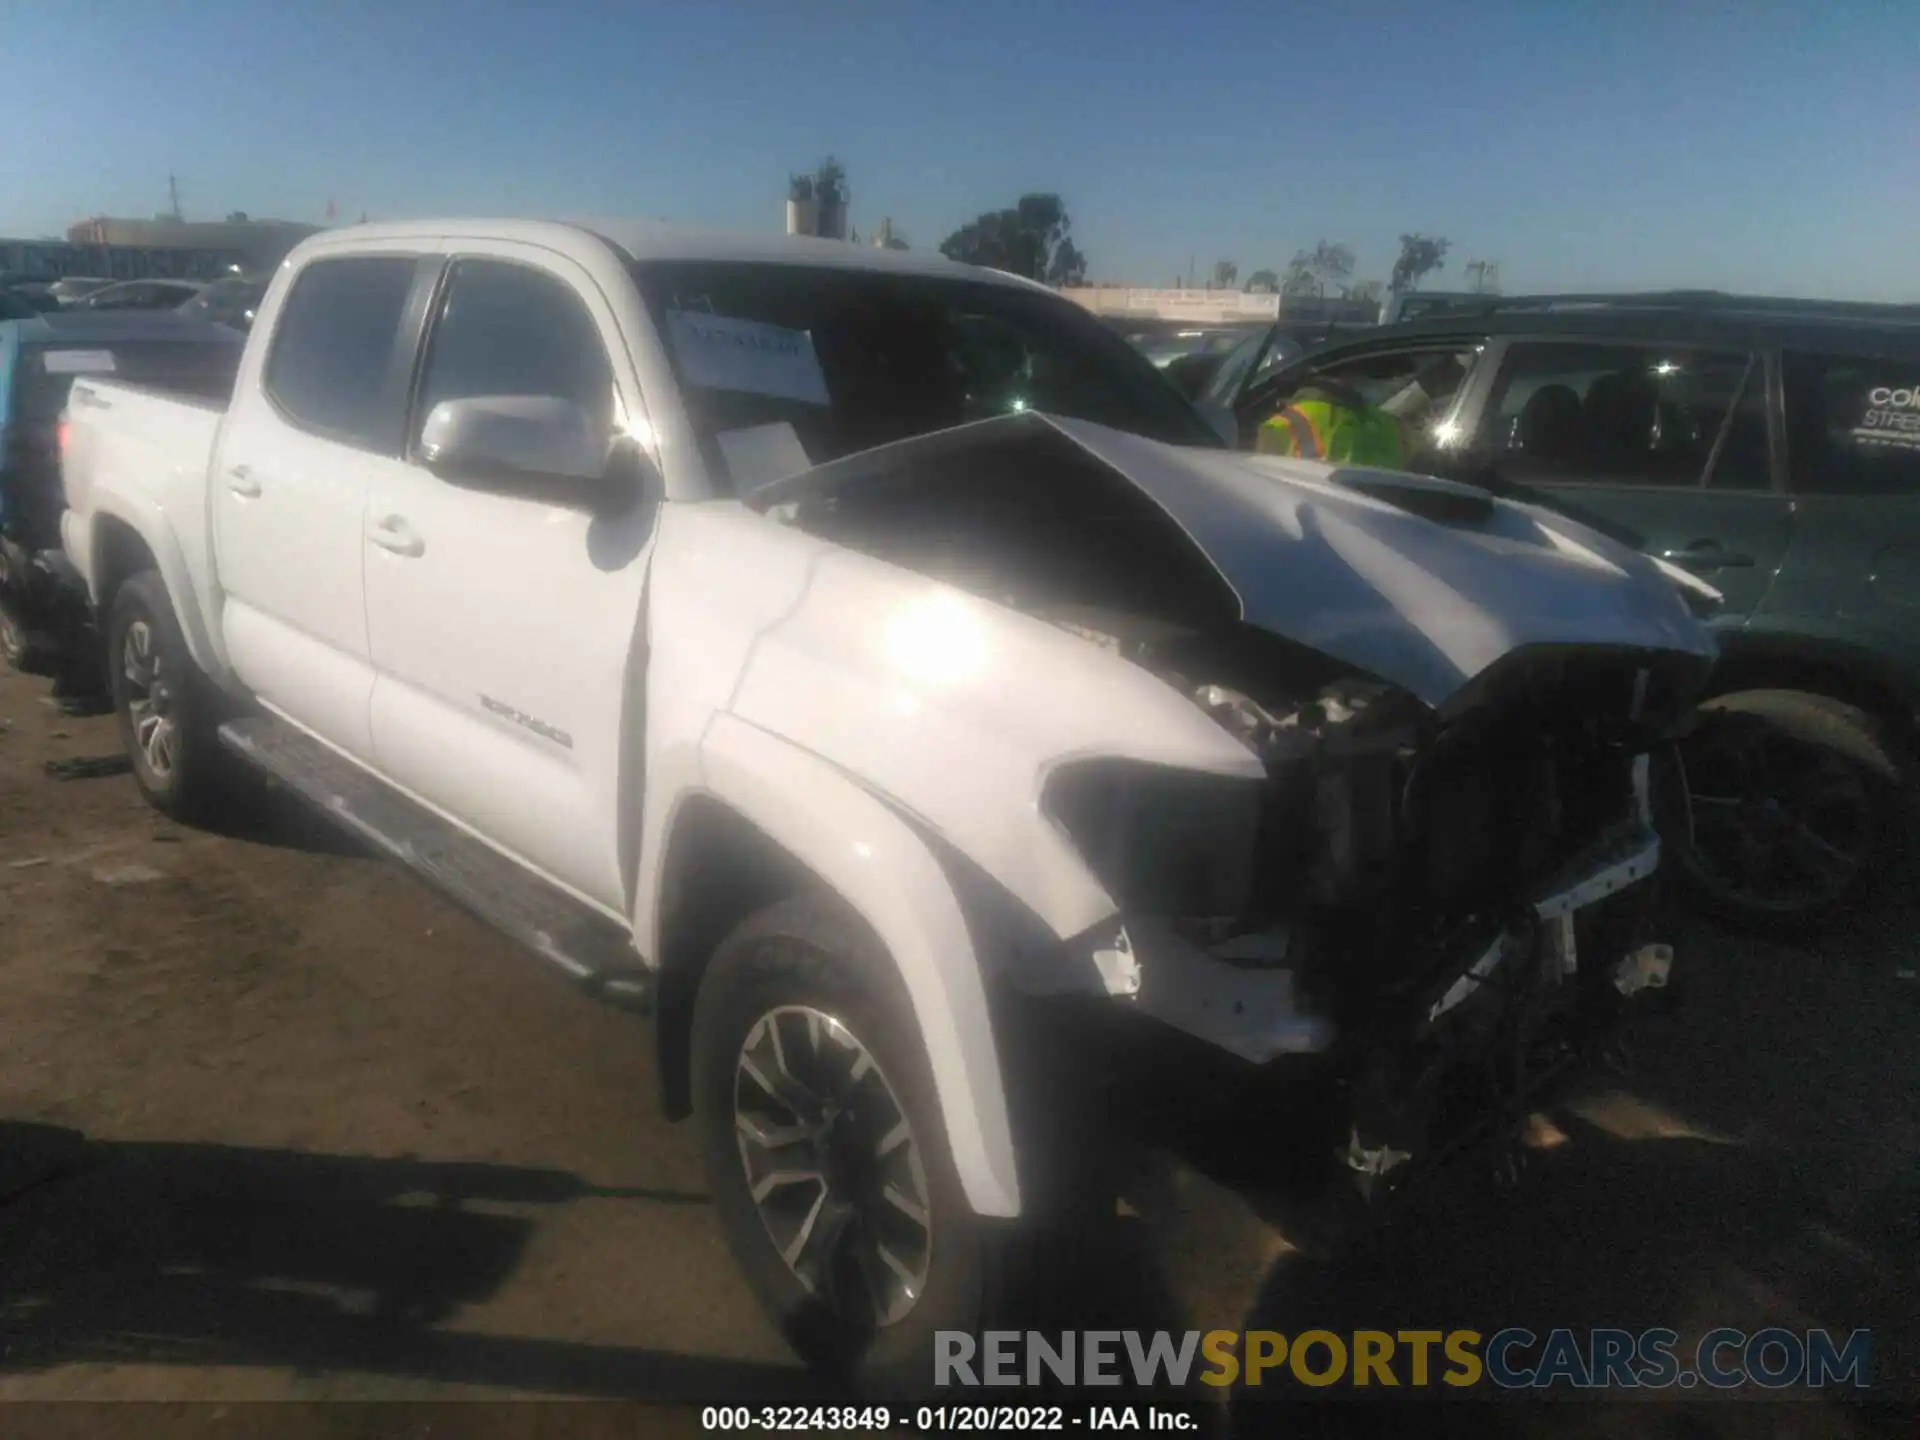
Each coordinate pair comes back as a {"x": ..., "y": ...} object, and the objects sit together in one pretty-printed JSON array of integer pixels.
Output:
[
  {"x": 263, "y": 812},
  {"x": 1756, "y": 1163},
  {"x": 214, "y": 1255}
]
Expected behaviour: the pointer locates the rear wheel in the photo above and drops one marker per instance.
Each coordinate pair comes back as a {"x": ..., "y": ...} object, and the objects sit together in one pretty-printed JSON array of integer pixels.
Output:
[
  {"x": 166, "y": 705},
  {"x": 21, "y": 646},
  {"x": 1789, "y": 804},
  {"x": 825, "y": 1148}
]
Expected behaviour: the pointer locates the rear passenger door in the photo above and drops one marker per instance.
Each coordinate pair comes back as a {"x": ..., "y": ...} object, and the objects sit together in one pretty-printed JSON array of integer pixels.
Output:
[
  {"x": 1667, "y": 442},
  {"x": 309, "y": 432},
  {"x": 1853, "y": 451}
]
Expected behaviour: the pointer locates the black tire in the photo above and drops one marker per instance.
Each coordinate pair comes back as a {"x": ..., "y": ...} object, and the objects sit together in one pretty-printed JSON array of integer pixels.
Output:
[
  {"x": 812, "y": 952},
  {"x": 21, "y": 646},
  {"x": 188, "y": 786},
  {"x": 1867, "y": 777}
]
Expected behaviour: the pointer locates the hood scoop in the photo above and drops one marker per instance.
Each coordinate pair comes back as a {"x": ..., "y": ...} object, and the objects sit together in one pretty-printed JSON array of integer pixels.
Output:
[{"x": 1445, "y": 502}]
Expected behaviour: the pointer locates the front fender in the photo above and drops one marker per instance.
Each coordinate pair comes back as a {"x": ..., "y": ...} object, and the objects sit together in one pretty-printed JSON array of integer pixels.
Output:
[{"x": 879, "y": 866}]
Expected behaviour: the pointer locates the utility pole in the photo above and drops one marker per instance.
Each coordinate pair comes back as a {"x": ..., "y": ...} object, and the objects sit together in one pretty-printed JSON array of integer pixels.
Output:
[{"x": 173, "y": 198}]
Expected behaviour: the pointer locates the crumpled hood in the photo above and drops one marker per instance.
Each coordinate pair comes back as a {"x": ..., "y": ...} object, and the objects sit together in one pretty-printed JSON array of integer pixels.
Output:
[
  {"x": 1426, "y": 603},
  {"x": 1421, "y": 582}
]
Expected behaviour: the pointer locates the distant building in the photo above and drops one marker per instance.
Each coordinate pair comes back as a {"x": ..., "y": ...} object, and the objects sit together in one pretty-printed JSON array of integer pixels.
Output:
[
  {"x": 262, "y": 244},
  {"x": 137, "y": 249},
  {"x": 1219, "y": 307},
  {"x": 817, "y": 202}
]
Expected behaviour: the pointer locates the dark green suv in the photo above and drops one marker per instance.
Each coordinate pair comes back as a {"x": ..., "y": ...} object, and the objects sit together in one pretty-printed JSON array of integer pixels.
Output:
[{"x": 1771, "y": 448}]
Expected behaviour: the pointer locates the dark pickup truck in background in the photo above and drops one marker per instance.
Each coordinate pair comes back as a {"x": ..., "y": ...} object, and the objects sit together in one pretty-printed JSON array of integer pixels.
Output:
[
  {"x": 40, "y": 358},
  {"x": 1771, "y": 447}
]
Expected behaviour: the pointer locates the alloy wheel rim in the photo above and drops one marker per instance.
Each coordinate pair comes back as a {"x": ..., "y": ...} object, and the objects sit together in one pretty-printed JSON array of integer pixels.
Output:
[
  {"x": 149, "y": 700},
  {"x": 1777, "y": 824},
  {"x": 833, "y": 1165}
]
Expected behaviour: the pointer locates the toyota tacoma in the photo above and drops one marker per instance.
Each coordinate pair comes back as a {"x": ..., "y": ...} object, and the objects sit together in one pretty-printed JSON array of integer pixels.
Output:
[{"x": 840, "y": 656}]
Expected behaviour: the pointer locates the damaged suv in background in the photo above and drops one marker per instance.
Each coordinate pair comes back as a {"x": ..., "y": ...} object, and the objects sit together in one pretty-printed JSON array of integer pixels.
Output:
[{"x": 851, "y": 658}]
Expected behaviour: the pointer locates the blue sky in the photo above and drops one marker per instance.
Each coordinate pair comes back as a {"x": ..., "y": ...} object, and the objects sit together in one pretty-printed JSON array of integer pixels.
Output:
[{"x": 1755, "y": 146}]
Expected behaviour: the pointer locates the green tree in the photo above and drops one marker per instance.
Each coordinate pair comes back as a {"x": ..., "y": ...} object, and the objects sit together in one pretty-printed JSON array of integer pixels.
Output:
[
  {"x": 1225, "y": 273},
  {"x": 1263, "y": 280},
  {"x": 1420, "y": 256},
  {"x": 1031, "y": 239},
  {"x": 1315, "y": 271}
]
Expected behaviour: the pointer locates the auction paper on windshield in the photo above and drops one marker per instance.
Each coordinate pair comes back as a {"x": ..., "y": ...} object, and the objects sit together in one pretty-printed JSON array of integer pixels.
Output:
[{"x": 718, "y": 352}]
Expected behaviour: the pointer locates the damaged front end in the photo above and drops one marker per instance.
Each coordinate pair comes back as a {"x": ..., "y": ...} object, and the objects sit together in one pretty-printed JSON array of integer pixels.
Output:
[
  {"x": 1449, "y": 912},
  {"x": 1434, "y": 885}
]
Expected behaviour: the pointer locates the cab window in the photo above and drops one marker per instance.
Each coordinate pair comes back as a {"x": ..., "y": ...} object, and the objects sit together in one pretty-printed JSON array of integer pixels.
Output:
[{"x": 507, "y": 329}]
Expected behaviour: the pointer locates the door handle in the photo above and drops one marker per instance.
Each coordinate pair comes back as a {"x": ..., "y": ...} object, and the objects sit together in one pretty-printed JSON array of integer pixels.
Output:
[
  {"x": 1707, "y": 555},
  {"x": 394, "y": 534},
  {"x": 241, "y": 482}
]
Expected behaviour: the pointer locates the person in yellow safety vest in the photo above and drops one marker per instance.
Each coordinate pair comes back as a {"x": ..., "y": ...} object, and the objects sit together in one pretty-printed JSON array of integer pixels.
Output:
[{"x": 1327, "y": 421}]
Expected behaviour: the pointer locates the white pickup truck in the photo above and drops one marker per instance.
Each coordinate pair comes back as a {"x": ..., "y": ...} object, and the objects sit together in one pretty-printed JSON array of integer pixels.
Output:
[{"x": 833, "y": 652}]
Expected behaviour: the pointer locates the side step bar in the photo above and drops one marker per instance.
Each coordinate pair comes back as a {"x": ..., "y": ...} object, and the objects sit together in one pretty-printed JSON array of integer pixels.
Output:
[{"x": 595, "y": 951}]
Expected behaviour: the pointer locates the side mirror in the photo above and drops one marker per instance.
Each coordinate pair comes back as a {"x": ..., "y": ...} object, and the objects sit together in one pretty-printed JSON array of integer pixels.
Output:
[
  {"x": 538, "y": 445},
  {"x": 1220, "y": 420}
]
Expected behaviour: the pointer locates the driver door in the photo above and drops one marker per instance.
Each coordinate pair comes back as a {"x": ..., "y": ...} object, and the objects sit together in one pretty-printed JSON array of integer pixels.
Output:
[{"x": 503, "y": 622}]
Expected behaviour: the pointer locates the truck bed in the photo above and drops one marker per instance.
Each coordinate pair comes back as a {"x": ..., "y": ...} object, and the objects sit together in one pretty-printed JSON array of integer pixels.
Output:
[
  {"x": 157, "y": 446},
  {"x": 158, "y": 437}
]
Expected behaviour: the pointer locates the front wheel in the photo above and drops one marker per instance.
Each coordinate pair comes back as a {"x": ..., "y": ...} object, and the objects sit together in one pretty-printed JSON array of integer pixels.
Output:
[
  {"x": 826, "y": 1152},
  {"x": 1786, "y": 806},
  {"x": 166, "y": 706}
]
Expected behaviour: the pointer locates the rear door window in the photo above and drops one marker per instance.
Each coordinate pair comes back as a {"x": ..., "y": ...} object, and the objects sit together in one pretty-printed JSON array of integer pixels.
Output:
[
  {"x": 332, "y": 367},
  {"x": 1853, "y": 425},
  {"x": 1627, "y": 414}
]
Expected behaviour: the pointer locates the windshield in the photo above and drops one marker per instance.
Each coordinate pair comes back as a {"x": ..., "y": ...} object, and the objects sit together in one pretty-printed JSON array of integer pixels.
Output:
[
  {"x": 196, "y": 367},
  {"x": 836, "y": 360}
]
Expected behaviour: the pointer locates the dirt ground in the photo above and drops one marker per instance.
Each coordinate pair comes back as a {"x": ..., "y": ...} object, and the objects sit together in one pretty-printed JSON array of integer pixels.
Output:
[{"x": 276, "y": 1124}]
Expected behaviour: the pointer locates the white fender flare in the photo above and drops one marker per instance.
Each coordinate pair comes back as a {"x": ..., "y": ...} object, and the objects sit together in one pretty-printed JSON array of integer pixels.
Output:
[
  {"x": 877, "y": 863},
  {"x": 147, "y": 520}
]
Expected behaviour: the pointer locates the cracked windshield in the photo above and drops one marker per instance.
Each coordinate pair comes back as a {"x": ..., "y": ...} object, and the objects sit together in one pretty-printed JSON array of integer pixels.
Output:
[{"x": 910, "y": 718}]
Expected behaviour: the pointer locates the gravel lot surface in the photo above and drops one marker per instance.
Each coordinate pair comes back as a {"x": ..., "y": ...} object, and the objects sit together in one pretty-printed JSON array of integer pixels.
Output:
[{"x": 276, "y": 1124}]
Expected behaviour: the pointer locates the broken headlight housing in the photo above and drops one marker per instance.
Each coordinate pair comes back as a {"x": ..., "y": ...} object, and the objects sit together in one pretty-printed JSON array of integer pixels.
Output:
[{"x": 1162, "y": 841}]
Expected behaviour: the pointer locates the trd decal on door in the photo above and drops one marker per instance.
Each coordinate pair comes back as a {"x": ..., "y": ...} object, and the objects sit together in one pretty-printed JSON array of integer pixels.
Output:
[{"x": 527, "y": 722}]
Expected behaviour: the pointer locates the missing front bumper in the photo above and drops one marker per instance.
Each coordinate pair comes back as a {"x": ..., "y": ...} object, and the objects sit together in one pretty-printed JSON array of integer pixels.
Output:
[{"x": 1549, "y": 992}]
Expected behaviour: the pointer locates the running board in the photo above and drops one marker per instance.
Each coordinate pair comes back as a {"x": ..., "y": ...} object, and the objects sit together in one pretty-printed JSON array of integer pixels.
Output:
[{"x": 594, "y": 951}]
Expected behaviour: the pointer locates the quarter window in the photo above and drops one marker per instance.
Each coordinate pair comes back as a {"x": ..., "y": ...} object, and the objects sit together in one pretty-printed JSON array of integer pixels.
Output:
[{"x": 1853, "y": 426}]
